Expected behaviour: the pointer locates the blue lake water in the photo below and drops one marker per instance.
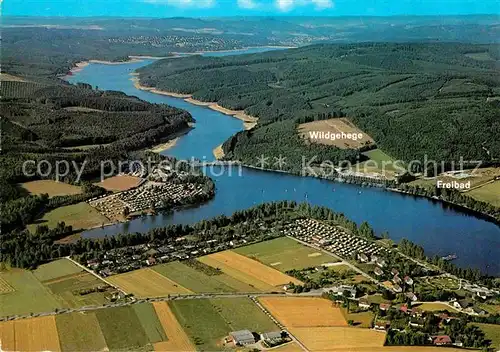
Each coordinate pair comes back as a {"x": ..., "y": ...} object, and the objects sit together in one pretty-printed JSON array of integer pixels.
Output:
[{"x": 440, "y": 230}]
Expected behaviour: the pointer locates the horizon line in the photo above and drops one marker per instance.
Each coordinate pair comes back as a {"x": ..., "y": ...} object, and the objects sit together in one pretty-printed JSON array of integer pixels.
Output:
[{"x": 255, "y": 16}]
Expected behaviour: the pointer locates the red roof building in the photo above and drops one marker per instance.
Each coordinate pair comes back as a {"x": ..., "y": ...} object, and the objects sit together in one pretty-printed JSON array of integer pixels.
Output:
[
  {"x": 442, "y": 340},
  {"x": 384, "y": 306}
]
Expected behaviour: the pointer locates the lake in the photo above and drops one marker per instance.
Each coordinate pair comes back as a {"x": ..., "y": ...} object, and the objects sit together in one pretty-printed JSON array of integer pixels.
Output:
[{"x": 438, "y": 228}]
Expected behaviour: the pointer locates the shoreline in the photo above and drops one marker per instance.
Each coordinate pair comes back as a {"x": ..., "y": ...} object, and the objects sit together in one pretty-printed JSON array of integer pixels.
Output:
[
  {"x": 164, "y": 146},
  {"x": 174, "y": 54},
  {"x": 218, "y": 152},
  {"x": 249, "y": 122},
  {"x": 234, "y": 50},
  {"x": 242, "y": 116},
  {"x": 79, "y": 66}
]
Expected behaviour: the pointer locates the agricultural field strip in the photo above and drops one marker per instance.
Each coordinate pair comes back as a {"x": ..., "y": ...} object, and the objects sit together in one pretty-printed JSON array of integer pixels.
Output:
[
  {"x": 96, "y": 275},
  {"x": 177, "y": 338},
  {"x": 171, "y": 297},
  {"x": 146, "y": 282},
  {"x": 250, "y": 268},
  {"x": 299, "y": 345},
  {"x": 5, "y": 287},
  {"x": 285, "y": 254},
  {"x": 304, "y": 311},
  {"x": 37, "y": 334},
  {"x": 65, "y": 277}
]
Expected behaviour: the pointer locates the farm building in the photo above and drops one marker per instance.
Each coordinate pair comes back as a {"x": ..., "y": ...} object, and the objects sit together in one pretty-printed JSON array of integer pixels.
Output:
[
  {"x": 412, "y": 296},
  {"x": 364, "y": 304},
  {"x": 442, "y": 340},
  {"x": 343, "y": 290},
  {"x": 242, "y": 337},
  {"x": 474, "y": 310},
  {"x": 381, "y": 325},
  {"x": 461, "y": 304},
  {"x": 272, "y": 338},
  {"x": 385, "y": 306}
]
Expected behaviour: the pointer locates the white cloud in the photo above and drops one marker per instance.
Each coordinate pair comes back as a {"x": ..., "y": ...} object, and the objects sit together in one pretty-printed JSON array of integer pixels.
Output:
[
  {"x": 323, "y": 4},
  {"x": 184, "y": 3},
  {"x": 248, "y": 4},
  {"x": 287, "y": 5}
]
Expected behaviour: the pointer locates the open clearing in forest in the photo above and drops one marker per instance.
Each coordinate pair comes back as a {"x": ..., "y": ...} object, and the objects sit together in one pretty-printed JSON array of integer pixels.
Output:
[
  {"x": 81, "y": 216},
  {"x": 120, "y": 183},
  {"x": 304, "y": 312},
  {"x": 489, "y": 193},
  {"x": 146, "y": 283},
  {"x": 248, "y": 270},
  {"x": 208, "y": 321},
  {"x": 36, "y": 334},
  {"x": 285, "y": 254},
  {"x": 379, "y": 163},
  {"x": 481, "y": 178},
  {"x": 177, "y": 338},
  {"x": 80, "y": 332},
  {"x": 51, "y": 187},
  {"x": 335, "y": 126},
  {"x": 198, "y": 281}
]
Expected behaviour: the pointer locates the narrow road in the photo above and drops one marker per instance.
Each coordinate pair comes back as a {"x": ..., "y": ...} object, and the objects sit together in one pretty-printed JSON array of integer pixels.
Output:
[{"x": 171, "y": 297}]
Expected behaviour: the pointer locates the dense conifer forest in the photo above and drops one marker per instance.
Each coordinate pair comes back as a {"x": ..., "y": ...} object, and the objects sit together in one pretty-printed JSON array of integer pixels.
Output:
[
  {"x": 71, "y": 124},
  {"x": 415, "y": 100}
]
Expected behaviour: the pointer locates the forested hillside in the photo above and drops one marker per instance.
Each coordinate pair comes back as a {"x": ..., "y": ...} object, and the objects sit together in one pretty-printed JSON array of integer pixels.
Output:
[
  {"x": 46, "y": 46},
  {"x": 438, "y": 100},
  {"x": 71, "y": 124}
]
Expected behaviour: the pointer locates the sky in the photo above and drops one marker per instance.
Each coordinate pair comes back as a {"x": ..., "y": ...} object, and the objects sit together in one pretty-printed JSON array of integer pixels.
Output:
[{"x": 209, "y": 8}]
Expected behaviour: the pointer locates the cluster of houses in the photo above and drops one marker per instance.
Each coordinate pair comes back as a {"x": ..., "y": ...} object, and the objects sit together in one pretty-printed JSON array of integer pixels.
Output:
[
  {"x": 149, "y": 195},
  {"x": 332, "y": 238},
  {"x": 124, "y": 259},
  {"x": 468, "y": 307},
  {"x": 396, "y": 284},
  {"x": 416, "y": 319},
  {"x": 109, "y": 206},
  {"x": 183, "y": 42},
  {"x": 154, "y": 194},
  {"x": 347, "y": 291},
  {"x": 483, "y": 293}
]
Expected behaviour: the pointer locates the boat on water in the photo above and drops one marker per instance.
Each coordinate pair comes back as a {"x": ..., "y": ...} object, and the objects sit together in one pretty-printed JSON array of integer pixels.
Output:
[{"x": 450, "y": 257}]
